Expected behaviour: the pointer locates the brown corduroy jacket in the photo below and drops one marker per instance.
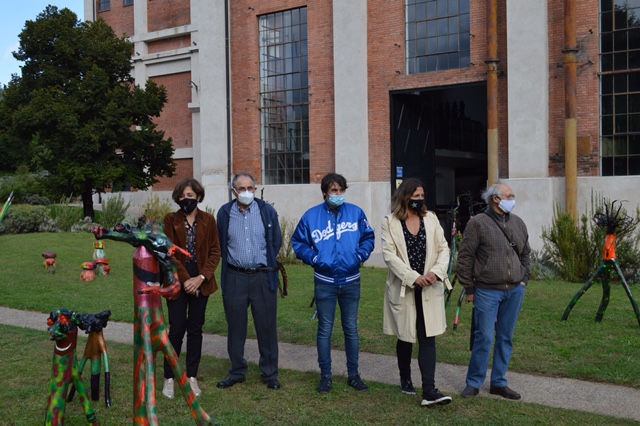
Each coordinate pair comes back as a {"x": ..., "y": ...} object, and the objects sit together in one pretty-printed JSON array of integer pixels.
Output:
[{"x": 207, "y": 247}]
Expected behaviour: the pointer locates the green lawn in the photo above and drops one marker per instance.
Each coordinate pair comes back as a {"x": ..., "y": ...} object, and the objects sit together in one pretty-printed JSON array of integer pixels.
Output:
[{"x": 578, "y": 348}]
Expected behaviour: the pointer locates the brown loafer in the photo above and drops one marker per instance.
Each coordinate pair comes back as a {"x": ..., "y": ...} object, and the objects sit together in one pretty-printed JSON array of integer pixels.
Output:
[
  {"x": 469, "y": 392},
  {"x": 504, "y": 392}
]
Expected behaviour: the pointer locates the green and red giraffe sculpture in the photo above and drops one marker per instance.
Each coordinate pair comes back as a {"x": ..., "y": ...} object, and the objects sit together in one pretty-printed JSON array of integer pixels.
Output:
[{"x": 152, "y": 263}]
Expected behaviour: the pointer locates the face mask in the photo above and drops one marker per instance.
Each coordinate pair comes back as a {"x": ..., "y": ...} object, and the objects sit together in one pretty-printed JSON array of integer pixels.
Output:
[
  {"x": 416, "y": 205},
  {"x": 245, "y": 198},
  {"x": 507, "y": 206},
  {"x": 335, "y": 200},
  {"x": 188, "y": 204}
]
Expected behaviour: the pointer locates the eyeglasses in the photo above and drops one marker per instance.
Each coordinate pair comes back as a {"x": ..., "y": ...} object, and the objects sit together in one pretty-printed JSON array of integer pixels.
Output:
[{"x": 243, "y": 189}]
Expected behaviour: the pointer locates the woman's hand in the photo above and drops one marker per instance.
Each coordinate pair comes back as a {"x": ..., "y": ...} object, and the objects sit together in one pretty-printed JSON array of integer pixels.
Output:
[
  {"x": 192, "y": 285},
  {"x": 426, "y": 280}
]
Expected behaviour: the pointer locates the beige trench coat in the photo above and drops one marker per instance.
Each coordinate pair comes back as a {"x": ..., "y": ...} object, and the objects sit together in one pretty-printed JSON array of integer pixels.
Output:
[{"x": 399, "y": 302}]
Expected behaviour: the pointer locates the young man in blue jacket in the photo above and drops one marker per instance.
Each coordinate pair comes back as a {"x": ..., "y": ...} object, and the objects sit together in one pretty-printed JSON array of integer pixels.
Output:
[{"x": 335, "y": 238}]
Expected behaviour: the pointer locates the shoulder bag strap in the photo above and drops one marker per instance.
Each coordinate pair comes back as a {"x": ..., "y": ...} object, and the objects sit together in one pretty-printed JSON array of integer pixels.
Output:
[{"x": 512, "y": 243}]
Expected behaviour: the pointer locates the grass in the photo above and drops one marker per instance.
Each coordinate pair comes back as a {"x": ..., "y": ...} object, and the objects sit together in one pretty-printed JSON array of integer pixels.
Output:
[
  {"x": 578, "y": 348},
  {"x": 26, "y": 369}
]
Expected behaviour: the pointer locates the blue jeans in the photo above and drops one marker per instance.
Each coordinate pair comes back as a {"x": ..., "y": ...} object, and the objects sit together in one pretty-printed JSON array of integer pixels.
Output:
[
  {"x": 348, "y": 297},
  {"x": 496, "y": 311}
]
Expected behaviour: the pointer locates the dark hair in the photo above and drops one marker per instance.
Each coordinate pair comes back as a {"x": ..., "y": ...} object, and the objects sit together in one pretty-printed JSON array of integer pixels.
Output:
[
  {"x": 333, "y": 178},
  {"x": 183, "y": 184},
  {"x": 238, "y": 176},
  {"x": 402, "y": 195}
]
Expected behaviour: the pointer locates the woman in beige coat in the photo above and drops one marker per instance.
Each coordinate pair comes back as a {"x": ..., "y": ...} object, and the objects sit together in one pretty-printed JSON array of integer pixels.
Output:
[{"x": 417, "y": 255}]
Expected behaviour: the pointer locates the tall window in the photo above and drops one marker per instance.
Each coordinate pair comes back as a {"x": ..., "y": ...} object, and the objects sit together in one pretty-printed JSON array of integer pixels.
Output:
[
  {"x": 284, "y": 97},
  {"x": 620, "y": 87},
  {"x": 104, "y": 5},
  {"x": 437, "y": 35}
]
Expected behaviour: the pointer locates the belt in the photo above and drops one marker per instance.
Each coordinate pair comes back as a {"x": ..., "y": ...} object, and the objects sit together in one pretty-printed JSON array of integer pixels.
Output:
[{"x": 251, "y": 270}]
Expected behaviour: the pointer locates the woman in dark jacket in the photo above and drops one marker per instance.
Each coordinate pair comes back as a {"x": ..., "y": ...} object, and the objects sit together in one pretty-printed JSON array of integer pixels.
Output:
[{"x": 197, "y": 232}]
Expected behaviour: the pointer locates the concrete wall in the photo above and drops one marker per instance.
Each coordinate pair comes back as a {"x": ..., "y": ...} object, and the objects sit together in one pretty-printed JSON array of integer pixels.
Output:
[
  {"x": 528, "y": 73},
  {"x": 535, "y": 198}
]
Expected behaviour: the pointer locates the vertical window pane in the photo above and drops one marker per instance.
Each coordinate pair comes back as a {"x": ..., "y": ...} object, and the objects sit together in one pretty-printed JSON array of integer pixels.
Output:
[
  {"x": 440, "y": 29},
  {"x": 283, "y": 95}
]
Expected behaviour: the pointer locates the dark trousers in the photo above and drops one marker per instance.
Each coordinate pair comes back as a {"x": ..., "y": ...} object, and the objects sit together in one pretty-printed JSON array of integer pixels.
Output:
[
  {"x": 241, "y": 291},
  {"x": 426, "y": 352},
  {"x": 186, "y": 314}
]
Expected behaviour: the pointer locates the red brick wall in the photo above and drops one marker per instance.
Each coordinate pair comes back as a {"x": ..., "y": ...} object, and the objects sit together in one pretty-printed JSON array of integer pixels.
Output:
[
  {"x": 387, "y": 73},
  {"x": 119, "y": 17},
  {"x": 246, "y": 83},
  {"x": 587, "y": 24},
  {"x": 184, "y": 169},
  {"x": 175, "y": 118},
  {"x": 163, "y": 14},
  {"x": 169, "y": 44}
]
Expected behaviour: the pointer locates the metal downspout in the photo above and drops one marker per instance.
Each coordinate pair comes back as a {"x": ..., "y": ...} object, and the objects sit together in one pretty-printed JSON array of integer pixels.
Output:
[
  {"x": 571, "y": 109},
  {"x": 492, "y": 91},
  {"x": 228, "y": 89}
]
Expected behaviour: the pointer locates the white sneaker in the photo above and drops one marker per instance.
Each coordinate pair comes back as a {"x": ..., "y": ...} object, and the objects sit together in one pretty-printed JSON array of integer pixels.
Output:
[
  {"x": 167, "y": 389},
  {"x": 194, "y": 386}
]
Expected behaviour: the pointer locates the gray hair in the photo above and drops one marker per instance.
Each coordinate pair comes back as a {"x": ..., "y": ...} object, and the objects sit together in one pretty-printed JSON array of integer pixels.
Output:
[
  {"x": 494, "y": 190},
  {"x": 238, "y": 176}
]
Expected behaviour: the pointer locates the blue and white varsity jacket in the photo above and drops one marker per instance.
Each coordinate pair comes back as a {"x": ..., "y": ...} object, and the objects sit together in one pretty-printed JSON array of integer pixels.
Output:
[{"x": 334, "y": 242}]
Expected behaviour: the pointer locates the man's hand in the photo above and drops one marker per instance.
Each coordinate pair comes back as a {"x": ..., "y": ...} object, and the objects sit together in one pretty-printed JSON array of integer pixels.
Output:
[
  {"x": 470, "y": 298},
  {"x": 192, "y": 285}
]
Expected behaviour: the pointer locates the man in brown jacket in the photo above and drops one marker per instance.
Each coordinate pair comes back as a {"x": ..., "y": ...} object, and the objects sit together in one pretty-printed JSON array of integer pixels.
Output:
[{"x": 494, "y": 267}]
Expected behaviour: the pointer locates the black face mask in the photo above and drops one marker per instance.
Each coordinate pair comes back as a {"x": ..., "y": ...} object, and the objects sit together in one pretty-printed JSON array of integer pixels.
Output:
[
  {"x": 416, "y": 205},
  {"x": 187, "y": 205}
]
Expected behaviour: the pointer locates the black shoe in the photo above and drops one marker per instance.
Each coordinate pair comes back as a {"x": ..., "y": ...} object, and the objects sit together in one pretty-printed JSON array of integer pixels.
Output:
[
  {"x": 273, "y": 384},
  {"x": 469, "y": 392},
  {"x": 228, "y": 382},
  {"x": 407, "y": 387},
  {"x": 504, "y": 392},
  {"x": 435, "y": 397},
  {"x": 357, "y": 383},
  {"x": 325, "y": 385}
]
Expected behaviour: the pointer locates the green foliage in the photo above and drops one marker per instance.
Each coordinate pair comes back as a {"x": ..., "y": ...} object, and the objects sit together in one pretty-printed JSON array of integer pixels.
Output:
[
  {"x": 23, "y": 218},
  {"x": 576, "y": 248},
  {"x": 77, "y": 113},
  {"x": 114, "y": 210},
  {"x": 542, "y": 266},
  {"x": 286, "y": 254},
  {"x": 27, "y": 187},
  {"x": 156, "y": 208},
  {"x": 65, "y": 214}
]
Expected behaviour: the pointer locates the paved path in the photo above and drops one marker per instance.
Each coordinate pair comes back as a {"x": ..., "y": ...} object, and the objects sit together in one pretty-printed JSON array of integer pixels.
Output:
[{"x": 610, "y": 400}]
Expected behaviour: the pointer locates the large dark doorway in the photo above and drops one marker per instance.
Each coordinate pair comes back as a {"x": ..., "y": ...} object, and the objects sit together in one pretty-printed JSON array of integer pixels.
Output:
[{"x": 439, "y": 135}]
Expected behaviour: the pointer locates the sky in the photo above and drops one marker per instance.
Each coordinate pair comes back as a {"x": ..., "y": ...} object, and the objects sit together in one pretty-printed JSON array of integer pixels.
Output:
[{"x": 12, "y": 21}]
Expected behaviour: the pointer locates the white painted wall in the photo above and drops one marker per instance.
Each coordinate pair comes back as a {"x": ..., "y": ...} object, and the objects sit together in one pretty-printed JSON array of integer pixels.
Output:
[
  {"x": 350, "y": 89},
  {"x": 528, "y": 74}
]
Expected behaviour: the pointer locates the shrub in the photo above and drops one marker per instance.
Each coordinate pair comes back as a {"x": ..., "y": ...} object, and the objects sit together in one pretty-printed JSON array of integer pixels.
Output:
[
  {"x": 542, "y": 267},
  {"x": 576, "y": 248},
  {"x": 156, "y": 208},
  {"x": 286, "y": 254},
  {"x": 114, "y": 210},
  {"x": 36, "y": 200},
  {"x": 65, "y": 214},
  {"x": 85, "y": 225},
  {"x": 23, "y": 218},
  {"x": 26, "y": 187}
]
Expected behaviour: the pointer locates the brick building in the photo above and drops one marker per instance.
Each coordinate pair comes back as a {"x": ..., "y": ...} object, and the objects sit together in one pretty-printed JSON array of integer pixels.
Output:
[{"x": 379, "y": 90}]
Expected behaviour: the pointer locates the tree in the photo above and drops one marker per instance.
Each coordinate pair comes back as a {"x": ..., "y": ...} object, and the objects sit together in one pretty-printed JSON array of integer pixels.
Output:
[{"x": 77, "y": 113}]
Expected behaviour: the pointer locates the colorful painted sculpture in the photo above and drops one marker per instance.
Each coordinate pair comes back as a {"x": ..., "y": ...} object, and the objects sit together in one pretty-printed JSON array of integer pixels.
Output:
[
  {"x": 153, "y": 257},
  {"x": 614, "y": 222},
  {"x": 50, "y": 262},
  {"x": 96, "y": 351},
  {"x": 102, "y": 266},
  {"x": 88, "y": 271},
  {"x": 63, "y": 327},
  {"x": 98, "y": 250},
  {"x": 5, "y": 208}
]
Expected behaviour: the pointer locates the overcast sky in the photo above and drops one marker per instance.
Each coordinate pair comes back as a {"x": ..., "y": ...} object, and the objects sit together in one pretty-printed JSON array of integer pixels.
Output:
[{"x": 12, "y": 19}]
